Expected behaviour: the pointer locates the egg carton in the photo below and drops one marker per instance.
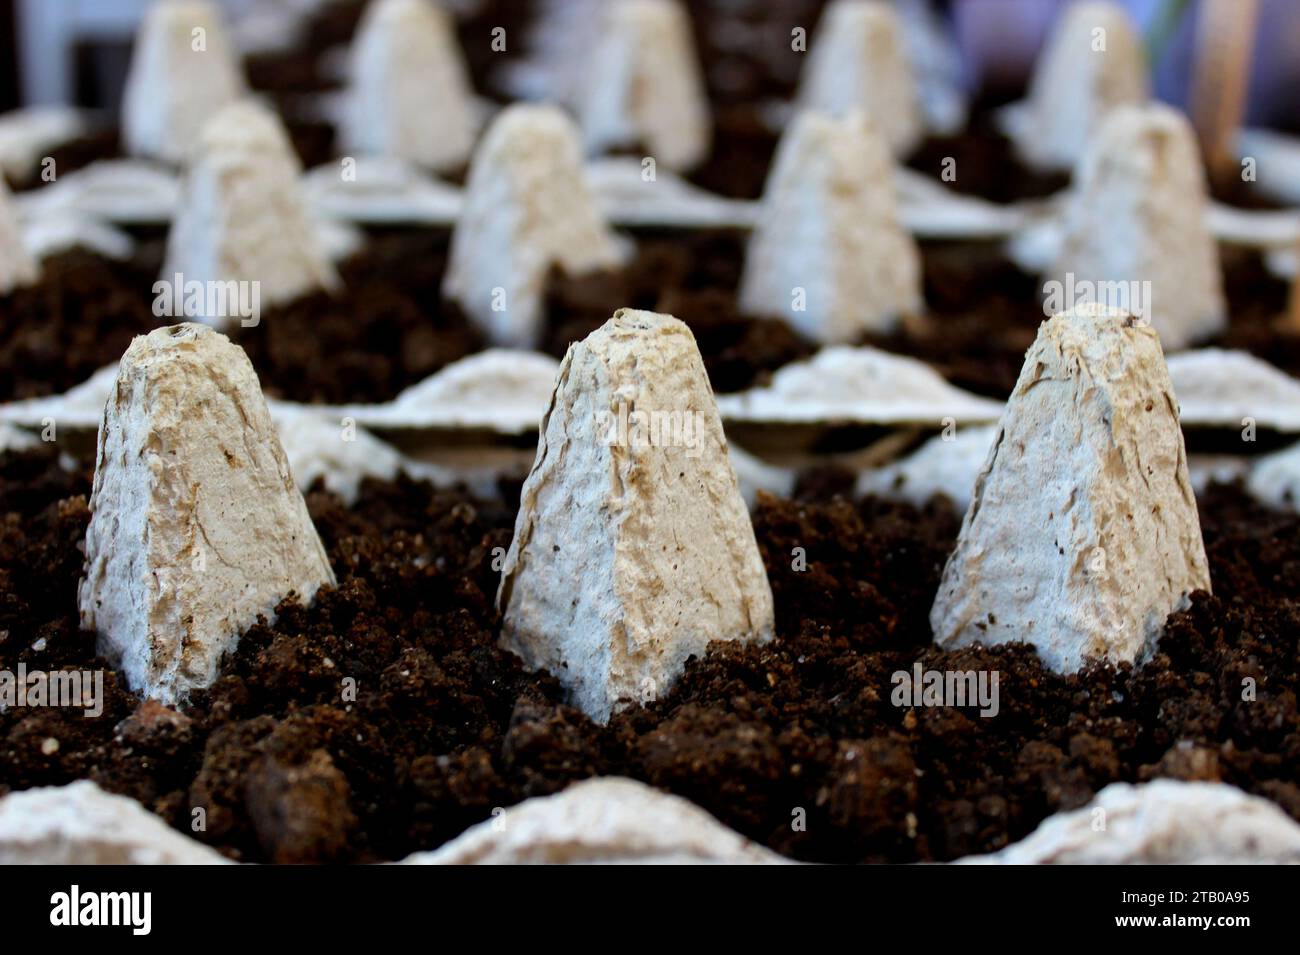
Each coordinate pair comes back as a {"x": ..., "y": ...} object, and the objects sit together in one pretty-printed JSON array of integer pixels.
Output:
[
  {"x": 611, "y": 820},
  {"x": 463, "y": 424}
]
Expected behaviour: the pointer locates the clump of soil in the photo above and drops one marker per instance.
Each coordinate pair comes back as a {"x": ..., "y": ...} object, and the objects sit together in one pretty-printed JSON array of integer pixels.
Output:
[
  {"x": 80, "y": 315},
  {"x": 388, "y": 328},
  {"x": 384, "y": 719}
]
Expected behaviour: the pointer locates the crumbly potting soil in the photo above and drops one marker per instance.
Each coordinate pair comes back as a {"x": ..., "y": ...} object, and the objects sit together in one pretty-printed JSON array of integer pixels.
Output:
[
  {"x": 389, "y": 328},
  {"x": 383, "y": 719}
]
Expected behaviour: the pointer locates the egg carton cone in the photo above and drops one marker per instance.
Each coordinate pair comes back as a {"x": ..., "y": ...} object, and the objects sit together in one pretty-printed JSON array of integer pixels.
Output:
[
  {"x": 183, "y": 69},
  {"x": 527, "y": 209},
  {"x": 1082, "y": 534},
  {"x": 196, "y": 527},
  {"x": 409, "y": 94},
  {"x": 1093, "y": 62},
  {"x": 242, "y": 216},
  {"x": 1136, "y": 226},
  {"x": 828, "y": 252},
  {"x": 857, "y": 61},
  {"x": 631, "y": 464},
  {"x": 643, "y": 85}
]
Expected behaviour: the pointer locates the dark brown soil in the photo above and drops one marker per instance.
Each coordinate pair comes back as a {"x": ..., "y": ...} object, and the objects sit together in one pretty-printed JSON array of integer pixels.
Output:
[
  {"x": 443, "y": 726},
  {"x": 1258, "y": 302},
  {"x": 392, "y": 327},
  {"x": 694, "y": 276},
  {"x": 80, "y": 316},
  {"x": 389, "y": 327},
  {"x": 984, "y": 313},
  {"x": 983, "y": 162}
]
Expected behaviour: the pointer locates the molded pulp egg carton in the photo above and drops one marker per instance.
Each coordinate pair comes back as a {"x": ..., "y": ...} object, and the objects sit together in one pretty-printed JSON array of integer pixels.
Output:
[{"x": 463, "y": 424}]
